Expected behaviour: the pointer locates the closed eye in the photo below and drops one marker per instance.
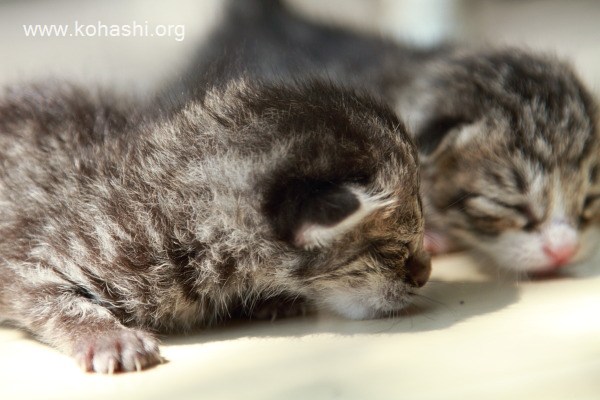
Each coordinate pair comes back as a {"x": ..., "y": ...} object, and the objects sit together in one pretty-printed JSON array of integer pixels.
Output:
[
  {"x": 487, "y": 208},
  {"x": 532, "y": 220}
]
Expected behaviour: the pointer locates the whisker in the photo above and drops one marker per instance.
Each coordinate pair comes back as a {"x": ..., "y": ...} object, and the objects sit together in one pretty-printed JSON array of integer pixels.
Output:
[
  {"x": 430, "y": 299},
  {"x": 461, "y": 198},
  {"x": 437, "y": 281}
]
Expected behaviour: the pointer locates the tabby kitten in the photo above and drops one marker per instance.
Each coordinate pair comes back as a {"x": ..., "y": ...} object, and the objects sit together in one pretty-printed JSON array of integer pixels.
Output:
[
  {"x": 508, "y": 139},
  {"x": 510, "y": 156},
  {"x": 113, "y": 227}
]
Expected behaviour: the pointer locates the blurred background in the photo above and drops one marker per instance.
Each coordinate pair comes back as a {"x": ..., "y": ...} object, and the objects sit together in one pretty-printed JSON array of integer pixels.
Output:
[{"x": 567, "y": 28}]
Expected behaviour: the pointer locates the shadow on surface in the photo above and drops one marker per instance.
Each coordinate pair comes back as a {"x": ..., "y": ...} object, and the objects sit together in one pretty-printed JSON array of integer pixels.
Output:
[{"x": 443, "y": 304}]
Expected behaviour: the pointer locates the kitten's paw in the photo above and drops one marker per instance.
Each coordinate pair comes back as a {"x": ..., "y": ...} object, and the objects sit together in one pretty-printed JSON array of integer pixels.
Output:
[
  {"x": 279, "y": 307},
  {"x": 117, "y": 351}
]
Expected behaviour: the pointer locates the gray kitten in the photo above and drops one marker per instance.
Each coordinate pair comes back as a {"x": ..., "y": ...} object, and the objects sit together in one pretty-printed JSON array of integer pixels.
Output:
[
  {"x": 114, "y": 227},
  {"x": 508, "y": 139}
]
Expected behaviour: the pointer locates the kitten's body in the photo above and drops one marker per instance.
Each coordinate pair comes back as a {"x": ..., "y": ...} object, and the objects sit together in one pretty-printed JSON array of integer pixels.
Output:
[
  {"x": 262, "y": 39},
  {"x": 112, "y": 227},
  {"x": 480, "y": 117}
]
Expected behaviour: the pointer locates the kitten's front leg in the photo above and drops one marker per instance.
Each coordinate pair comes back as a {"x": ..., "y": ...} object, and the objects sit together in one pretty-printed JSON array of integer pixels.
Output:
[
  {"x": 59, "y": 316},
  {"x": 277, "y": 307}
]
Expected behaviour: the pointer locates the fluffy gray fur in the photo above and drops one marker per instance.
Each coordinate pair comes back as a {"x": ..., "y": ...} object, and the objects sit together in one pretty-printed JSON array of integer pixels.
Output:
[
  {"x": 113, "y": 227},
  {"x": 508, "y": 138}
]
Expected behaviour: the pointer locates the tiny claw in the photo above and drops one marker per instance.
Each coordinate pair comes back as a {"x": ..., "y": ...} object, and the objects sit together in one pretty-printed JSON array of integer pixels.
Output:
[
  {"x": 111, "y": 366},
  {"x": 82, "y": 364},
  {"x": 138, "y": 364}
]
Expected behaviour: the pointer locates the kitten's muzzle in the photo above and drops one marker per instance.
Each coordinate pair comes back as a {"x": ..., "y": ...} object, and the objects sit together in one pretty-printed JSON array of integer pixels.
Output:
[{"x": 418, "y": 269}]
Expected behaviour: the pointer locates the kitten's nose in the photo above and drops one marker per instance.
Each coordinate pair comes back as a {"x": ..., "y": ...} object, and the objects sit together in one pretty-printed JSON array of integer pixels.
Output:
[
  {"x": 561, "y": 254},
  {"x": 561, "y": 243},
  {"x": 419, "y": 269}
]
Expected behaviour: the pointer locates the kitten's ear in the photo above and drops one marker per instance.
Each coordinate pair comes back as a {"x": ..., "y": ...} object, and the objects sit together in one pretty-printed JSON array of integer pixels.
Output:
[
  {"x": 308, "y": 213},
  {"x": 439, "y": 133}
]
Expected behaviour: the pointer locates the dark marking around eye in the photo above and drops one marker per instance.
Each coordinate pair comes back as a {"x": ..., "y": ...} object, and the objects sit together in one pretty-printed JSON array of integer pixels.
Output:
[
  {"x": 532, "y": 221},
  {"x": 530, "y": 226},
  {"x": 482, "y": 231},
  {"x": 487, "y": 219},
  {"x": 522, "y": 209}
]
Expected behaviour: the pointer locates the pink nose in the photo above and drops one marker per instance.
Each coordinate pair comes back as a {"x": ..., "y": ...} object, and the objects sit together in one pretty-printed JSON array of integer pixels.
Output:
[{"x": 561, "y": 254}]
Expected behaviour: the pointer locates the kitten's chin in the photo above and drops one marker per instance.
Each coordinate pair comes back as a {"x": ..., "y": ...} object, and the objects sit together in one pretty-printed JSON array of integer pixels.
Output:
[{"x": 358, "y": 307}]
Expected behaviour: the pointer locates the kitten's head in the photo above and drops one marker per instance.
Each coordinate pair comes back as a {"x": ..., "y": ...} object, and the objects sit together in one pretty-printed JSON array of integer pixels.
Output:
[
  {"x": 510, "y": 158},
  {"x": 340, "y": 197}
]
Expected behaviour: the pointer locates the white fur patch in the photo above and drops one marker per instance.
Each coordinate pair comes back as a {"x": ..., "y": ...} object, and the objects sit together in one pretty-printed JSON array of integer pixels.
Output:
[
  {"x": 368, "y": 301},
  {"x": 467, "y": 134},
  {"x": 315, "y": 235},
  {"x": 524, "y": 251}
]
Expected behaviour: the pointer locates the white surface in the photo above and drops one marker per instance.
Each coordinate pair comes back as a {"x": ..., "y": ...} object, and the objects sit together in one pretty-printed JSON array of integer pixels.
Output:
[{"x": 509, "y": 339}]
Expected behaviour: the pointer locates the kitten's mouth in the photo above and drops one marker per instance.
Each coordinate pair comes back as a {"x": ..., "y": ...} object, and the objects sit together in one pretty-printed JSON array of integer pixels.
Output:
[
  {"x": 381, "y": 305},
  {"x": 549, "y": 271},
  {"x": 558, "y": 258}
]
